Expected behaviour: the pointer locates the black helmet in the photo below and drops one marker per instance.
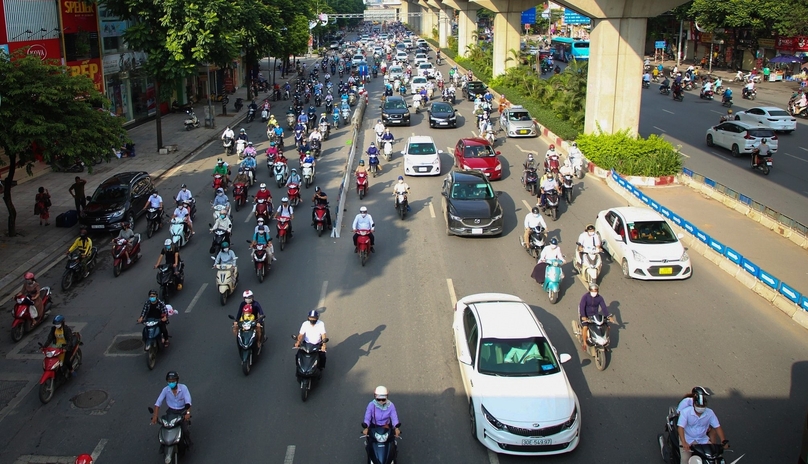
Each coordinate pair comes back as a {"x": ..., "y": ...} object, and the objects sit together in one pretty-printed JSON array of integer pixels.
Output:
[
  {"x": 535, "y": 210},
  {"x": 83, "y": 232},
  {"x": 314, "y": 314},
  {"x": 152, "y": 292},
  {"x": 700, "y": 390},
  {"x": 172, "y": 375},
  {"x": 700, "y": 397}
]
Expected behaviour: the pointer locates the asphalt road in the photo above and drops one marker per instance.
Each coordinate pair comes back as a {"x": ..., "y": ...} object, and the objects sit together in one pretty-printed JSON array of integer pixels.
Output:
[{"x": 390, "y": 323}]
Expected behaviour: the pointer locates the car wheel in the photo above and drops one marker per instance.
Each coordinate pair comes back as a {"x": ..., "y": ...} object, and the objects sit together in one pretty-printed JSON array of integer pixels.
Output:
[
  {"x": 624, "y": 268},
  {"x": 710, "y": 140},
  {"x": 473, "y": 419},
  {"x": 735, "y": 152}
]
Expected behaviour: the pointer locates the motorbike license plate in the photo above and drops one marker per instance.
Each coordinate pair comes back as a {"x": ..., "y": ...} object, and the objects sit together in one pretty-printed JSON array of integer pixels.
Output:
[
  {"x": 476, "y": 231},
  {"x": 665, "y": 271},
  {"x": 536, "y": 441},
  {"x": 97, "y": 226},
  {"x": 768, "y": 163}
]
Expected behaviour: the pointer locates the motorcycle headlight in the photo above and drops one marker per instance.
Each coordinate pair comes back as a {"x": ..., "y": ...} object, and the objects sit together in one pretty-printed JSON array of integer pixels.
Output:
[
  {"x": 491, "y": 419},
  {"x": 381, "y": 437},
  {"x": 638, "y": 257}
]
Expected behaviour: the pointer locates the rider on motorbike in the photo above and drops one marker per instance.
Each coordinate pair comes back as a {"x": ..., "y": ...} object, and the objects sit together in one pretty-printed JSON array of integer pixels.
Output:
[
  {"x": 184, "y": 195},
  {"x": 272, "y": 122},
  {"x": 156, "y": 309},
  {"x": 242, "y": 177},
  {"x": 250, "y": 151},
  {"x": 321, "y": 198},
  {"x": 360, "y": 169},
  {"x": 551, "y": 154},
  {"x": 61, "y": 336},
  {"x": 182, "y": 211},
  {"x": 363, "y": 221},
  {"x": 221, "y": 200},
  {"x": 551, "y": 251},
  {"x": 155, "y": 201},
  {"x": 228, "y": 134},
  {"x": 726, "y": 117},
  {"x": 223, "y": 222},
  {"x": 263, "y": 194},
  {"x": 223, "y": 170},
  {"x": 533, "y": 220},
  {"x": 127, "y": 233},
  {"x": 227, "y": 256},
  {"x": 696, "y": 423},
  {"x": 381, "y": 413},
  {"x": 313, "y": 332},
  {"x": 294, "y": 177},
  {"x": 85, "y": 245},
  {"x": 284, "y": 210},
  {"x": 379, "y": 129},
  {"x": 172, "y": 255},
  {"x": 590, "y": 303},
  {"x": 401, "y": 187},
  {"x": 253, "y": 308},
  {"x": 530, "y": 162},
  {"x": 547, "y": 185},
  {"x": 178, "y": 401},
  {"x": 31, "y": 289},
  {"x": 372, "y": 153},
  {"x": 242, "y": 135}
]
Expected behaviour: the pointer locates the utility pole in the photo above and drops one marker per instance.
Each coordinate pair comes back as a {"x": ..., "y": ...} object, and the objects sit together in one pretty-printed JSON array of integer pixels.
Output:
[{"x": 679, "y": 45}]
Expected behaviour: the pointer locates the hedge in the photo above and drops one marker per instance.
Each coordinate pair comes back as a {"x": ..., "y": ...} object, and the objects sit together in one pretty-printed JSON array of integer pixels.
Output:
[{"x": 631, "y": 155}]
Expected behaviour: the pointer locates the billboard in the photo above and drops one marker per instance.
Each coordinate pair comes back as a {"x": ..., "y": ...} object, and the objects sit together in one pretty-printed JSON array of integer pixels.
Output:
[{"x": 81, "y": 40}]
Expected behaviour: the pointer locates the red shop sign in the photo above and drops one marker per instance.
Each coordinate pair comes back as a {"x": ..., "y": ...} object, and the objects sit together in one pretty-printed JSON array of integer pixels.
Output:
[
  {"x": 47, "y": 49},
  {"x": 801, "y": 44},
  {"x": 90, "y": 68},
  {"x": 78, "y": 16},
  {"x": 785, "y": 43}
]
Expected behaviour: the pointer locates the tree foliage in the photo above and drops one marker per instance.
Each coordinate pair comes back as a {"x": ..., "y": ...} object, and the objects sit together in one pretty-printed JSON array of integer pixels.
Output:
[
  {"x": 763, "y": 16},
  {"x": 631, "y": 155},
  {"x": 45, "y": 107}
]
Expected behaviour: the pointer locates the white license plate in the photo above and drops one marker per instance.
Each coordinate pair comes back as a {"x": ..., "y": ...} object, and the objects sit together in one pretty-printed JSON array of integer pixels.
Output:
[
  {"x": 476, "y": 231},
  {"x": 443, "y": 123},
  {"x": 395, "y": 121},
  {"x": 423, "y": 169},
  {"x": 768, "y": 163},
  {"x": 97, "y": 226},
  {"x": 536, "y": 441}
]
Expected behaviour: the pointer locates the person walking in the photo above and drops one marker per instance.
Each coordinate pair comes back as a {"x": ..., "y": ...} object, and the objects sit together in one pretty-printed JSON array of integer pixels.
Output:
[
  {"x": 42, "y": 204},
  {"x": 77, "y": 191}
]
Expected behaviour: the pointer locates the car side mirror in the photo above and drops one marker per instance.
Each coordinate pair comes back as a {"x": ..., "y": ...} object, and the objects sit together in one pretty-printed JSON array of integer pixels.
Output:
[
  {"x": 498, "y": 152},
  {"x": 444, "y": 194},
  {"x": 564, "y": 357},
  {"x": 498, "y": 193}
]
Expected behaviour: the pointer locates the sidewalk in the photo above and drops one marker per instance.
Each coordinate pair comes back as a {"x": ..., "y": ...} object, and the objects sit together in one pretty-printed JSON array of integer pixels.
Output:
[{"x": 35, "y": 246}]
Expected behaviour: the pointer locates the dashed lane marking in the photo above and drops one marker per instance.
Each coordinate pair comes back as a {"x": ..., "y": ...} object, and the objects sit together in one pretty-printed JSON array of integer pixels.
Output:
[
  {"x": 722, "y": 156},
  {"x": 796, "y": 157},
  {"x": 659, "y": 129},
  {"x": 527, "y": 205},
  {"x": 452, "y": 295},
  {"x": 804, "y": 149},
  {"x": 717, "y": 112},
  {"x": 290, "y": 455},
  {"x": 522, "y": 149},
  {"x": 431, "y": 210},
  {"x": 323, "y": 292},
  {"x": 671, "y": 112},
  {"x": 196, "y": 297}
]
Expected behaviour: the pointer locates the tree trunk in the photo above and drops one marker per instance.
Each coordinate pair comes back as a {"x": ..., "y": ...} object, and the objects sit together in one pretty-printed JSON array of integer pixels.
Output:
[
  {"x": 8, "y": 184},
  {"x": 158, "y": 119}
]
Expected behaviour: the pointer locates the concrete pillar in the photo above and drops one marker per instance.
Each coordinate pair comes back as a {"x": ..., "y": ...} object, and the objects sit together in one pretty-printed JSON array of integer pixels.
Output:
[
  {"x": 445, "y": 25},
  {"x": 427, "y": 20},
  {"x": 615, "y": 55},
  {"x": 403, "y": 12},
  {"x": 506, "y": 38},
  {"x": 414, "y": 21},
  {"x": 466, "y": 29}
]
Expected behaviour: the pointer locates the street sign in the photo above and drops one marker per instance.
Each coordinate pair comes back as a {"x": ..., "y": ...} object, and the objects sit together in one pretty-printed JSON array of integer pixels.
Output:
[
  {"x": 529, "y": 16},
  {"x": 571, "y": 17},
  {"x": 659, "y": 44}
]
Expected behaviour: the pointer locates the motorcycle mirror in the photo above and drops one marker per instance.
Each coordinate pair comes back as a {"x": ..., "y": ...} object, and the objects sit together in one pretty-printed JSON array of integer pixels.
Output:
[
  {"x": 210, "y": 225},
  {"x": 564, "y": 358},
  {"x": 294, "y": 336},
  {"x": 151, "y": 409},
  {"x": 498, "y": 152},
  {"x": 231, "y": 317},
  {"x": 325, "y": 340}
]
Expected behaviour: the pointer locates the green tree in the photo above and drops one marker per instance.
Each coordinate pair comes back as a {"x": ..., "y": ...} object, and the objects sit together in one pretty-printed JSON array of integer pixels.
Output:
[
  {"x": 44, "y": 106},
  {"x": 763, "y": 16}
]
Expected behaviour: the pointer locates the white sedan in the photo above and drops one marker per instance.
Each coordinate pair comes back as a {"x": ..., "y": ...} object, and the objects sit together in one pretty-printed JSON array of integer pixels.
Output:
[
  {"x": 643, "y": 243},
  {"x": 417, "y": 83},
  {"x": 430, "y": 70},
  {"x": 520, "y": 400},
  {"x": 769, "y": 116}
]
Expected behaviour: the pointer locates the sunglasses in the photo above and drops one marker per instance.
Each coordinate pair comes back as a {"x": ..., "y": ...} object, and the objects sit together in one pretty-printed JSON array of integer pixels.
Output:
[{"x": 381, "y": 400}]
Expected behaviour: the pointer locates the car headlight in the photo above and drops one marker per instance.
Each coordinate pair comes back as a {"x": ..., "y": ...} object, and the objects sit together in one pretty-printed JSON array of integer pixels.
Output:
[
  {"x": 436, "y": 162},
  {"x": 498, "y": 168},
  {"x": 684, "y": 257},
  {"x": 491, "y": 419},
  {"x": 572, "y": 418},
  {"x": 455, "y": 218},
  {"x": 638, "y": 256},
  {"x": 117, "y": 214},
  {"x": 453, "y": 118}
]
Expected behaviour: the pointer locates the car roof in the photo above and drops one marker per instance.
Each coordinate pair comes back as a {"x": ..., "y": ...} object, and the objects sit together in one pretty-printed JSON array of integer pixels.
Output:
[
  {"x": 468, "y": 175},
  {"x": 765, "y": 108},
  {"x": 635, "y": 213},
  {"x": 125, "y": 177},
  {"x": 475, "y": 141},
  {"x": 506, "y": 319},
  {"x": 749, "y": 125},
  {"x": 394, "y": 98},
  {"x": 420, "y": 139}
]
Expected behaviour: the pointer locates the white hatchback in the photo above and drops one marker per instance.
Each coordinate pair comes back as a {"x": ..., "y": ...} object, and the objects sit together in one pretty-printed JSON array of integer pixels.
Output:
[
  {"x": 417, "y": 83},
  {"x": 402, "y": 57},
  {"x": 420, "y": 58},
  {"x": 428, "y": 68},
  {"x": 769, "y": 116},
  {"x": 421, "y": 157},
  {"x": 520, "y": 399}
]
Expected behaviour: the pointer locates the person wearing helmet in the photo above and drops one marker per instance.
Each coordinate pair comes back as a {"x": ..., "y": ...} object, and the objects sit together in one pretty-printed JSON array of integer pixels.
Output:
[
  {"x": 313, "y": 331},
  {"x": 250, "y": 306},
  {"x": 726, "y": 117},
  {"x": 224, "y": 223},
  {"x": 591, "y": 304},
  {"x": 361, "y": 168},
  {"x": 401, "y": 187},
  {"x": 287, "y": 211},
  {"x": 321, "y": 198},
  {"x": 242, "y": 177},
  {"x": 250, "y": 151},
  {"x": 530, "y": 162},
  {"x": 61, "y": 336},
  {"x": 221, "y": 200},
  {"x": 551, "y": 154},
  {"x": 155, "y": 308},
  {"x": 183, "y": 212},
  {"x": 178, "y": 401},
  {"x": 547, "y": 184},
  {"x": 172, "y": 256},
  {"x": 84, "y": 459},
  {"x": 551, "y": 251},
  {"x": 379, "y": 129},
  {"x": 127, "y": 234},
  {"x": 184, "y": 194},
  {"x": 761, "y": 151},
  {"x": 363, "y": 221},
  {"x": 294, "y": 177},
  {"x": 698, "y": 424},
  {"x": 381, "y": 412},
  {"x": 687, "y": 400},
  {"x": 222, "y": 169},
  {"x": 533, "y": 220},
  {"x": 84, "y": 245},
  {"x": 155, "y": 201},
  {"x": 31, "y": 289},
  {"x": 588, "y": 240},
  {"x": 263, "y": 193},
  {"x": 228, "y": 257},
  {"x": 242, "y": 135}
]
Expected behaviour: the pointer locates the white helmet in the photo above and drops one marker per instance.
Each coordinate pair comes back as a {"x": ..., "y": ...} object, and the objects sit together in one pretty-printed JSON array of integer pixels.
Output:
[
  {"x": 380, "y": 392},
  {"x": 363, "y": 210},
  {"x": 285, "y": 200},
  {"x": 263, "y": 185},
  {"x": 168, "y": 242},
  {"x": 247, "y": 294}
]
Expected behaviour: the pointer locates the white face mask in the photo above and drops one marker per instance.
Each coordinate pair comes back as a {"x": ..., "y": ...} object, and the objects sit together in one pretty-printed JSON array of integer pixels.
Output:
[
  {"x": 593, "y": 294},
  {"x": 699, "y": 410}
]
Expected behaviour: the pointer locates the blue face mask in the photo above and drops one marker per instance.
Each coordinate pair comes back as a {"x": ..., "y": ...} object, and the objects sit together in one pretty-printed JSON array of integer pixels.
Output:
[
  {"x": 172, "y": 385},
  {"x": 152, "y": 299}
]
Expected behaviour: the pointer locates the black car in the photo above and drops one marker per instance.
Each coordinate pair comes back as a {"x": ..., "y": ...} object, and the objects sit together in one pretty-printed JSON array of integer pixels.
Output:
[
  {"x": 121, "y": 197},
  {"x": 470, "y": 205},
  {"x": 395, "y": 111},
  {"x": 474, "y": 88},
  {"x": 442, "y": 114}
]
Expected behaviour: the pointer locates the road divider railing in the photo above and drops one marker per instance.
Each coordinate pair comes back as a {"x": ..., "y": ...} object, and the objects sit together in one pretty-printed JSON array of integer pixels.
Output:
[
  {"x": 344, "y": 187},
  {"x": 779, "y": 223},
  {"x": 785, "y": 297}
]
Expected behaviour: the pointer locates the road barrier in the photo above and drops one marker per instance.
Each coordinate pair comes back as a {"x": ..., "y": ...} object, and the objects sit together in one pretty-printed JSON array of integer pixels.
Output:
[
  {"x": 762, "y": 282},
  {"x": 356, "y": 122}
]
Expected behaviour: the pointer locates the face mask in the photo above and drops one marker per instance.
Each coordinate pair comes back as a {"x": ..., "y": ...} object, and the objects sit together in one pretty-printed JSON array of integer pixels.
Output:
[
  {"x": 168, "y": 247},
  {"x": 312, "y": 322},
  {"x": 248, "y": 300},
  {"x": 225, "y": 249},
  {"x": 222, "y": 216},
  {"x": 153, "y": 299},
  {"x": 364, "y": 214},
  {"x": 553, "y": 247},
  {"x": 29, "y": 282},
  {"x": 59, "y": 326},
  {"x": 593, "y": 294},
  {"x": 591, "y": 234},
  {"x": 699, "y": 410},
  {"x": 172, "y": 385}
]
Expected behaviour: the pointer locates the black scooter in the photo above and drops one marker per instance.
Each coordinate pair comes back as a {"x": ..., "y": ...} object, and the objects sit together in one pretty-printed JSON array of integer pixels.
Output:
[
  {"x": 762, "y": 162},
  {"x": 308, "y": 366},
  {"x": 248, "y": 349},
  {"x": 154, "y": 218},
  {"x": 152, "y": 341},
  {"x": 168, "y": 280},
  {"x": 219, "y": 236},
  {"x": 669, "y": 445},
  {"x": 173, "y": 443},
  {"x": 381, "y": 445}
]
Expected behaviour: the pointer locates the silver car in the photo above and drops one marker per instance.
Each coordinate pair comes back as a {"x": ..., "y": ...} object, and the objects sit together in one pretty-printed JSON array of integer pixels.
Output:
[{"x": 517, "y": 122}]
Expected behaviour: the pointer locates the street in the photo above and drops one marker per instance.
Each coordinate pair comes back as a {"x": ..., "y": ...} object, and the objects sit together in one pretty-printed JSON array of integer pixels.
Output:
[{"x": 389, "y": 323}]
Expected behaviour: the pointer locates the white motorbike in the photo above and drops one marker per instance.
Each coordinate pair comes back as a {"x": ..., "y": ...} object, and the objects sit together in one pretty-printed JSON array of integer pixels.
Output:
[
  {"x": 590, "y": 266},
  {"x": 227, "y": 144},
  {"x": 578, "y": 162},
  {"x": 220, "y": 209},
  {"x": 191, "y": 122},
  {"x": 264, "y": 115},
  {"x": 490, "y": 136},
  {"x": 388, "y": 150},
  {"x": 281, "y": 172},
  {"x": 241, "y": 145},
  {"x": 180, "y": 233},
  {"x": 416, "y": 103},
  {"x": 346, "y": 115},
  {"x": 226, "y": 279},
  {"x": 307, "y": 171}
]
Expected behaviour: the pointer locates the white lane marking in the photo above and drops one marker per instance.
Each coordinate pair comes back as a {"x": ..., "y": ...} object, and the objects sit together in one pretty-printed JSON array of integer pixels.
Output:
[
  {"x": 686, "y": 156},
  {"x": 796, "y": 157},
  {"x": 98, "y": 449},
  {"x": 196, "y": 297},
  {"x": 671, "y": 112},
  {"x": 32, "y": 382},
  {"x": 452, "y": 295},
  {"x": 474, "y": 133},
  {"x": 527, "y": 205},
  {"x": 15, "y": 353},
  {"x": 249, "y": 216},
  {"x": 805, "y": 149},
  {"x": 659, "y": 129},
  {"x": 290, "y": 455},
  {"x": 522, "y": 149},
  {"x": 431, "y": 210},
  {"x": 717, "y": 112},
  {"x": 321, "y": 301},
  {"x": 492, "y": 457},
  {"x": 722, "y": 156}
]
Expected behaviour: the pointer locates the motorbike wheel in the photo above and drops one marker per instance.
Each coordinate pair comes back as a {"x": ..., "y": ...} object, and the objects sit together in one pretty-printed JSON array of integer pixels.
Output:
[
  {"x": 151, "y": 357},
  {"x": 600, "y": 359},
  {"x": 319, "y": 230},
  {"x": 283, "y": 242},
  {"x": 116, "y": 270},
  {"x": 553, "y": 295},
  {"x": 238, "y": 205},
  {"x": 261, "y": 275},
  {"x": 17, "y": 333},
  {"x": 361, "y": 193},
  {"x": 568, "y": 196},
  {"x": 246, "y": 365},
  {"x": 304, "y": 389},
  {"x": 766, "y": 169},
  {"x": 402, "y": 211},
  {"x": 363, "y": 256},
  {"x": 164, "y": 293},
  {"x": 149, "y": 230},
  {"x": 554, "y": 213},
  {"x": 67, "y": 280},
  {"x": 223, "y": 298},
  {"x": 46, "y": 390},
  {"x": 576, "y": 329}
]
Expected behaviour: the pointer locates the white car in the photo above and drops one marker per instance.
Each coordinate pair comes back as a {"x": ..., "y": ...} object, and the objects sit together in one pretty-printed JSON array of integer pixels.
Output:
[
  {"x": 420, "y": 42},
  {"x": 396, "y": 72},
  {"x": 417, "y": 83},
  {"x": 402, "y": 57},
  {"x": 741, "y": 137},
  {"x": 358, "y": 58},
  {"x": 643, "y": 243},
  {"x": 421, "y": 157},
  {"x": 430, "y": 70},
  {"x": 420, "y": 58},
  {"x": 520, "y": 400},
  {"x": 769, "y": 116}
]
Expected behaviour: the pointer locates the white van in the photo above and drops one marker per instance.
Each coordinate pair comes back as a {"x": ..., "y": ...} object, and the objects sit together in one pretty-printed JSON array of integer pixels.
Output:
[{"x": 421, "y": 157}]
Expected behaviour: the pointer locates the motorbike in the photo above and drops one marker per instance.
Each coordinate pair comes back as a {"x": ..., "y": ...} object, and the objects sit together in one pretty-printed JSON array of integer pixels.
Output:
[
  {"x": 491, "y": 137},
  {"x": 646, "y": 84},
  {"x": 307, "y": 171},
  {"x": 664, "y": 90},
  {"x": 362, "y": 184},
  {"x": 316, "y": 148},
  {"x": 251, "y": 114},
  {"x": 416, "y": 105},
  {"x": 180, "y": 233},
  {"x": 298, "y": 138},
  {"x": 537, "y": 242},
  {"x": 578, "y": 162},
  {"x": 346, "y": 115},
  {"x": 363, "y": 245},
  {"x": 308, "y": 365},
  {"x": 241, "y": 145},
  {"x": 73, "y": 268},
  {"x": 167, "y": 280},
  {"x": 335, "y": 119},
  {"x": 551, "y": 203},
  {"x": 152, "y": 341},
  {"x": 567, "y": 187},
  {"x": 597, "y": 344},
  {"x": 226, "y": 280},
  {"x": 381, "y": 445},
  {"x": 401, "y": 204},
  {"x": 263, "y": 209},
  {"x": 219, "y": 236},
  {"x": 530, "y": 180},
  {"x": 248, "y": 347},
  {"x": 317, "y": 100},
  {"x": 749, "y": 94},
  {"x": 388, "y": 150},
  {"x": 281, "y": 172},
  {"x": 795, "y": 110},
  {"x": 227, "y": 144},
  {"x": 260, "y": 262},
  {"x": 325, "y": 129},
  {"x": 264, "y": 115},
  {"x": 293, "y": 193},
  {"x": 373, "y": 162},
  {"x": 320, "y": 220},
  {"x": 283, "y": 230},
  {"x": 55, "y": 372},
  {"x": 26, "y": 316},
  {"x": 702, "y": 454},
  {"x": 706, "y": 95},
  {"x": 191, "y": 122},
  {"x": 762, "y": 162},
  {"x": 154, "y": 218},
  {"x": 119, "y": 260},
  {"x": 218, "y": 182},
  {"x": 726, "y": 101},
  {"x": 290, "y": 120},
  {"x": 678, "y": 95},
  {"x": 329, "y": 106},
  {"x": 553, "y": 164},
  {"x": 238, "y": 104},
  {"x": 239, "y": 195},
  {"x": 250, "y": 171},
  {"x": 172, "y": 442},
  {"x": 590, "y": 267},
  {"x": 552, "y": 280}
]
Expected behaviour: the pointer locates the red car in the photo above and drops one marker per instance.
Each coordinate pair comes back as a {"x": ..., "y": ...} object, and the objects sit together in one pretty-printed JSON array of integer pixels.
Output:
[{"x": 477, "y": 154}]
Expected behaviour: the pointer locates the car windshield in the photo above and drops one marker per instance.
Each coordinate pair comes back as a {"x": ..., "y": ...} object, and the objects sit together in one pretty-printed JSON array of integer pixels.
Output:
[
  {"x": 395, "y": 105},
  {"x": 478, "y": 151},
  {"x": 441, "y": 108},
  {"x": 525, "y": 357},
  {"x": 425, "y": 65},
  {"x": 651, "y": 232},
  {"x": 419, "y": 80},
  {"x": 778, "y": 113},
  {"x": 396, "y": 69},
  {"x": 519, "y": 116},
  {"x": 472, "y": 191},
  {"x": 111, "y": 193},
  {"x": 421, "y": 149}
]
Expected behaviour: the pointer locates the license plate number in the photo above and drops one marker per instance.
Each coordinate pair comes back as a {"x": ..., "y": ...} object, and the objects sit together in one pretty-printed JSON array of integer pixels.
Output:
[
  {"x": 443, "y": 123},
  {"x": 522, "y": 131},
  {"x": 395, "y": 121},
  {"x": 476, "y": 231},
  {"x": 768, "y": 163},
  {"x": 536, "y": 441},
  {"x": 97, "y": 226},
  {"x": 665, "y": 271},
  {"x": 423, "y": 169}
]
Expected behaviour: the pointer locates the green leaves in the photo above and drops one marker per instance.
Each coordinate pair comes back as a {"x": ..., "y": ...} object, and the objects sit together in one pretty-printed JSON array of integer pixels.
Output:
[
  {"x": 763, "y": 16},
  {"x": 631, "y": 155}
]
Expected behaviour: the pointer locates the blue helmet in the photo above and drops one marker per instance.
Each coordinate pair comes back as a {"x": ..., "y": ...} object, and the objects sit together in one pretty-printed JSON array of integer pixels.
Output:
[{"x": 58, "y": 319}]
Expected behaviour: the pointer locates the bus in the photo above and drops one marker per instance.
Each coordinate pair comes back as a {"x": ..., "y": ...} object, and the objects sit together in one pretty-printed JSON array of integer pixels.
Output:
[{"x": 565, "y": 49}]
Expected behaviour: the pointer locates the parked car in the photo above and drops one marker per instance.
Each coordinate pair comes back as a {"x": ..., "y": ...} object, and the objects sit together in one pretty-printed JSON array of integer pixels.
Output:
[
  {"x": 741, "y": 137},
  {"x": 442, "y": 114},
  {"x": 395, "y": 111},
  {"x": 470, "y": 205},
  {"x": 520, "y": 399},
  {"x": 120, "y": 198},
  {"x": 643, "y": 243},
  {"x": 517, "y": 122},
  {"x": 421, "y": 157},
  {"x": 477, "y": 154},
  {"x": 770, "y": 116}
]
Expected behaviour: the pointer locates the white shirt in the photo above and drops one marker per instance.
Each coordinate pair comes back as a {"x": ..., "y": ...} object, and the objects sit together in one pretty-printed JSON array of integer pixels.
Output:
[
  {"x": 312, "y": 333},
  {"x": 228, "y": 134},
  {"x": 363, "y": 222},
  {"x": 586, "y": 241},
  {"x": 685, "y": 403},
  {"x": 534, "y": 220},
  {"x": 548, "y": 253},
  {"x": 177, "y": 401},
  {"x": 288, "y": 211},
  {"x": 549, "y": 185},
  {"x": 696, "y": 426},
  {"x": 184, "y": 195},
  {"x": 379, "y": 128},
  {"x": 401, "y": 187},
  {"x": 708, "y": 86},
  {"x": 315, "y": 136},
  {"x": 155, "y": 201},
  {"x": 181, "y": 213}
]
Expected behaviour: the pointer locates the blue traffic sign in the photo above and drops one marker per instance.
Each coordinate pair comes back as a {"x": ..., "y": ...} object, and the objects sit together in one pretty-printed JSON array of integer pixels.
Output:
[
  {"x": 529, "y": 16},
  {"x": 571, "y": 17},
  {"x": 659, "y": 44}
]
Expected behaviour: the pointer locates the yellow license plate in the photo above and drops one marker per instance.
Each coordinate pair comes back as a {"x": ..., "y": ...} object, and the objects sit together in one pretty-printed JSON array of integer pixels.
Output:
[
  {"x": 665, "y": 271},
  {"x": 523, "y": 131}
]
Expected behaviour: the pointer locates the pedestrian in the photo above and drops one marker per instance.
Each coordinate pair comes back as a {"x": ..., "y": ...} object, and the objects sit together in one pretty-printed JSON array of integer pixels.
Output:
[
  {"x": 77, "y": 190},
  {"x": 42, "y": 204}
]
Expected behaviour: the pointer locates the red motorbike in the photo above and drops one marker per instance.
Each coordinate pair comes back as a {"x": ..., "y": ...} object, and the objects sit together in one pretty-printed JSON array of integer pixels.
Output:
[
  {"x": 218, "y": 182},
  {"x": 283, "y": 230},
  {"x": 55, "y": 372},
  {"x": 363, "y": 245},
  {"x": 293, "y": 192},
  {"x": 119, "y": 258},
  {"x": 262, "y": 209},
  {"x": 362, "y": 184},
  {"x": 552, "y": 164},
  {"x": 239, "y": 195},
  {"x": 26, "y": 317},
  {"x": 320, "y": 219},
  {"x": 260, "y": 260}
]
